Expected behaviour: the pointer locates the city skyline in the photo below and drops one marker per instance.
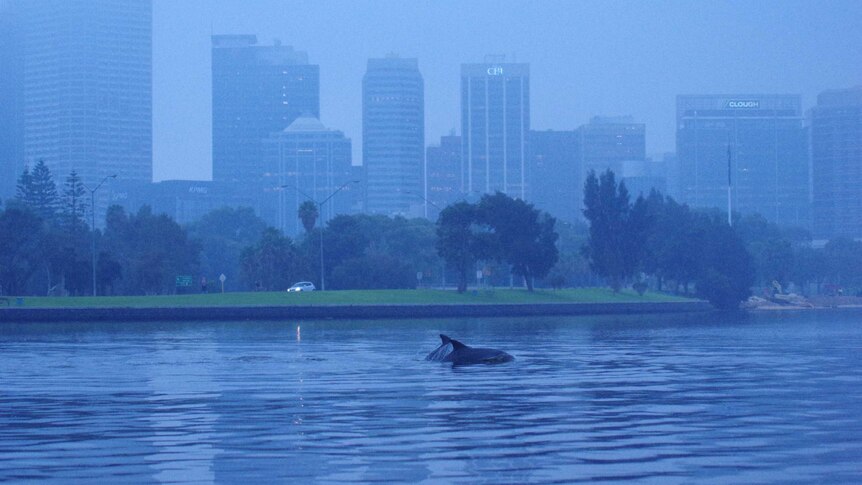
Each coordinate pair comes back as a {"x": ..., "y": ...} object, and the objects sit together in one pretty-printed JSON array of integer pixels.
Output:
[{"x": 586, "y": 60}]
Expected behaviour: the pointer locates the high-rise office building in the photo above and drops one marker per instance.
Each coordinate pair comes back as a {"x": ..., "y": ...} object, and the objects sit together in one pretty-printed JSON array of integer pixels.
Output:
[
  {"x": 185, "y": 201},
  {"x": 11, "y": 100},
  {"x": 642, "y": 177},
  {"x": 393, "y": 136},
  {"x": 764, "y": 138},
  {"x": 836, "y": 163},
  {"x": 87, "y": 88},
  {"x": 443, "y": 184},
  {"x": 607, "y": 141},
  {"x": 309, "y": 161},
  {"x": 495, "y": 123},
  {"x": 256, "y": 90},
  {"x": 555, "y": 182}
]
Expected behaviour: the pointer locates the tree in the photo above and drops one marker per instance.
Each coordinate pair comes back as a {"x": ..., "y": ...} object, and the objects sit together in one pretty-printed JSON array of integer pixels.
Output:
[
  {"x": 615, "y": 234},
  {"x": 24, "y": 188},
  {"x": 73, "y": 198},
  {"x": 726, "y": 270},
  {"x": 524, "y": 237},
  {"x": 43, "y": 192},
  {"x": 456, "y": 241},
  {"x": 373, "y": 272},
  {"x": 21, "y": 233},
  {"x": 670, "y": 252},
  {"x": 223, "y": 234},
  {"x": 151, "y": 248},
  {"x": 844, "y": 261},
  {"x": 308, "y": 213},
  {"x": 269, "y": 264}
]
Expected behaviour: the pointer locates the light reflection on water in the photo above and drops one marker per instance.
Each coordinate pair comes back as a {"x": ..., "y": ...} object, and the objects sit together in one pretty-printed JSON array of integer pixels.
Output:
[{"x": 662, "y": 399}]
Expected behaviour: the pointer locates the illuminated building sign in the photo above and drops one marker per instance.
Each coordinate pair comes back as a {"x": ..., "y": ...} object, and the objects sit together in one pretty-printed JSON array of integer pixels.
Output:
[
  {"x": 743, "y": 104},
  {"x": 495, "y": 71}
]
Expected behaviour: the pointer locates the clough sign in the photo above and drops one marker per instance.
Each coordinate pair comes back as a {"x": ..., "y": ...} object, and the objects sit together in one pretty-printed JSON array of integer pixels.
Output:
[{"x": 743, "y": 104}]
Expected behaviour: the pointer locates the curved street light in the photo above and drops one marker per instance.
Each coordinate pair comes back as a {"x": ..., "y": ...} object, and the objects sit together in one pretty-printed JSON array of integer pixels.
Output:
[
  {"x": 320, "y": 216},
  {"x": 93, "y": 226}
]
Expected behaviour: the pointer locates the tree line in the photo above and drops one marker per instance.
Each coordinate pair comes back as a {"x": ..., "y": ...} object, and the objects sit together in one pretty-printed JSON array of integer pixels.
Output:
[
  {"x": 46, "y": 247},
  {"x": 657, "y": 242}
]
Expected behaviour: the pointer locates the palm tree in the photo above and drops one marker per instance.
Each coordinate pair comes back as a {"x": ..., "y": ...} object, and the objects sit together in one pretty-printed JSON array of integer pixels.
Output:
[{"x": 308, "y": 213}]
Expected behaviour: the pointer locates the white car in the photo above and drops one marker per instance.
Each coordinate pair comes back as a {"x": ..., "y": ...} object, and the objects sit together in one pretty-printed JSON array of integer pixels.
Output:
[{"x": 302, "y": 286}]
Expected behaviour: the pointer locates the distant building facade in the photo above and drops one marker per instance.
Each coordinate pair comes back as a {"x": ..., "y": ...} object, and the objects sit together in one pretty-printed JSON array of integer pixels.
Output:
[
  {"x": 495, "y": 124},
  {"x": 86, "y": 97},
  {"x": 836, "y": 163},
  {"x": 642, "y": 177},
  {"x": 256, "y": 90},
  {"x": 185, "y": 201},
  {"x": 555, "y": 182},
  {"x": 393, "y": 135},
  {"x": 309, "y": 161},
  {"x": 607, "y": 141},
  {"x": 11, "y": 100},
  {"x": 443, "y": 185},
  {"x": 768, "y": 151}
]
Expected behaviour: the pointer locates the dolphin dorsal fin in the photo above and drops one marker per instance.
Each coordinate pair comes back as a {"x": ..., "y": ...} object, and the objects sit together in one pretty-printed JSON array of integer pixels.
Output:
[{"x": 456, "y": 345}]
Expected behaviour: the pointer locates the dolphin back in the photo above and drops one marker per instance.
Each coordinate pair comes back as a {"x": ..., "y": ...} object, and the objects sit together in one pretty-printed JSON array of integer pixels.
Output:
[
  {"x": 441, "y": 352},
  {"x": 451, "y": 350}
]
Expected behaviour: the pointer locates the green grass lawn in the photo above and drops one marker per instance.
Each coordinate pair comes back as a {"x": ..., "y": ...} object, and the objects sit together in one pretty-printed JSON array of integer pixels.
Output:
[{"x": 354, "y": 297}]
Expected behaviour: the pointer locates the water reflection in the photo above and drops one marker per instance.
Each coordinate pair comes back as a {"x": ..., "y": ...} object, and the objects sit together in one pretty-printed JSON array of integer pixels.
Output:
[
  {"x": 182, "y": 419},
  {"x": 660, "y": 399}
]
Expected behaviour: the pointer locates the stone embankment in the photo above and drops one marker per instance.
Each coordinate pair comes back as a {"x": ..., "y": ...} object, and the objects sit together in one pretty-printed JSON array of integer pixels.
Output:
[{"x": 296, "y": 312}]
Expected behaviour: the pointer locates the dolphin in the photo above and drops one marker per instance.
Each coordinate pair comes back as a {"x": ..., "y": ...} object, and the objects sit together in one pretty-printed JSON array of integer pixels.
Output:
[{"x": 461, "y": 354}]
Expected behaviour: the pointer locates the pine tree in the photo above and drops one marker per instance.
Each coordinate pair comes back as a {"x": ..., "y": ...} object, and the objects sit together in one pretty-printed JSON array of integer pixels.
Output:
[
  {"x": 44, "y": 192},
  {"x": 24, "y": 188},
  {"x": 74, "y": 200}
]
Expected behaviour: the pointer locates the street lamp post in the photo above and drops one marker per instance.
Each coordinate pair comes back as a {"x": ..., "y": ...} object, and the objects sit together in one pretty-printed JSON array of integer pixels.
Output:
[
  {"x": 320, "y": 216},
  {"x": 439, "y": 210},
  {"x": 93, "y": 226}
]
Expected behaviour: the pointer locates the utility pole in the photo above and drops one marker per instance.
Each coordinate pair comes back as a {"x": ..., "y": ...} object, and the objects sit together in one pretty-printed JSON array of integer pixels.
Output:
[
  {"x": 729, "y": 185},
  {"x": 93, "y": 227}
]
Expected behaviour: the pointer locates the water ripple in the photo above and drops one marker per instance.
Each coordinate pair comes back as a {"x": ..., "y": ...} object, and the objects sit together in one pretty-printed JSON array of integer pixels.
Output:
[{"x": 765, "y": 399}]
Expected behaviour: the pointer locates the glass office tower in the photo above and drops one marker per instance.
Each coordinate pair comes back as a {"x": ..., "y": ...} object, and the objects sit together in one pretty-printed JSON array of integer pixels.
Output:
[
  {"x": 393, "y": 136},
  {"x": 256, "y": 90},
  {"x": 86, "y": 102},
  {"x": 767, "y": 143},
  {"x": 836, "y": 163},
  {"x": 495, "y": 123}
]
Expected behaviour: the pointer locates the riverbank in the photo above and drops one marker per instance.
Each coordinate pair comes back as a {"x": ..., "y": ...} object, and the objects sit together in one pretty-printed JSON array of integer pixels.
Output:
[{"x": 347, "y": 304}]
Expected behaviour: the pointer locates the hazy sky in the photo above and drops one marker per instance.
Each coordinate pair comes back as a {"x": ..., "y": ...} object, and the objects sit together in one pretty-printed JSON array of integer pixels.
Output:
[{"x": 586, "y": 58}]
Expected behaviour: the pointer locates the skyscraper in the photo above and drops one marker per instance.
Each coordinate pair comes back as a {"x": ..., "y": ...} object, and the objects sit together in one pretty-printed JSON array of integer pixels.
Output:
[
  {"x": 443, "y": 184},
  {"x": 309, "y": 160},
  {"x": 256, "y": 90},
  {"x": 555, "y": 179},
  {"x": 767, "y": 142},
  {"x": 495, "y": 122},
  {"x": 11, "y": 100},
  {"x": 87, "y": 89},
  {"x": 836, "y": 163},
  {"x": 608, "y": 141},
  {"x": 393, "y": 135}
]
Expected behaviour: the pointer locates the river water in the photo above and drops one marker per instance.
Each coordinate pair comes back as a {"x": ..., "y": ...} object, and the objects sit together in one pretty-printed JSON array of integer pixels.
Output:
[{"x": 770, "y": 398}]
